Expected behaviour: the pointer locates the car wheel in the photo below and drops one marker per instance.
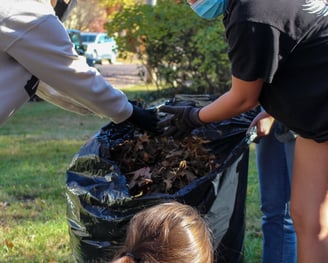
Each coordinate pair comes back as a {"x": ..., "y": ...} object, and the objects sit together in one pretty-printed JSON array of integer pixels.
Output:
[{"x": 95, "y": 57}]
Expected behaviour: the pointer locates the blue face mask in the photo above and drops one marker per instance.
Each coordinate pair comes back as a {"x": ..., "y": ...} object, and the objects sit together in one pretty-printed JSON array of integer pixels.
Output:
[{"x": 209, "y": 9}]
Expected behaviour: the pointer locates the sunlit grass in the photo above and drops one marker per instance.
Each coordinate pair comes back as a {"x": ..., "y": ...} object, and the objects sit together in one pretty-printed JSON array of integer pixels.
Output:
[
  {"x": 253, "y": 233},
  {"x": 36, "y": 147}
]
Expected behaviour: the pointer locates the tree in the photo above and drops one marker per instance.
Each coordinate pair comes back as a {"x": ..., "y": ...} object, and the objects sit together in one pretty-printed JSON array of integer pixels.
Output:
[
  {"x": 82, "y": 19},
  {"x": 179, "y": 51},
  {"x": 101, "y": 12}
]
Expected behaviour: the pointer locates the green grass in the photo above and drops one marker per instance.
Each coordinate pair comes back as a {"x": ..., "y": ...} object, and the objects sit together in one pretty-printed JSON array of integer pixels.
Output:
[
  {"x": 36, "y": 146},
  {"x": 253, "y": 234}
]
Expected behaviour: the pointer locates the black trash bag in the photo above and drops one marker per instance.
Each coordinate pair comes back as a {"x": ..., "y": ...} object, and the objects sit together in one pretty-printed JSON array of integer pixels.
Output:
[{"x": 99, "y": 205}]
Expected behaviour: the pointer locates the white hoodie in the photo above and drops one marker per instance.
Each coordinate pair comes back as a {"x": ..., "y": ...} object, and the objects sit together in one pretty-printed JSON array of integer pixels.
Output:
[{"x": 34, "y": 42}]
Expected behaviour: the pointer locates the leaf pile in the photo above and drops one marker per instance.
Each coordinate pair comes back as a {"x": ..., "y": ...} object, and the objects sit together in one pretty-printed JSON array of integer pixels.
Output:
[{"x": 162, "y": 164}]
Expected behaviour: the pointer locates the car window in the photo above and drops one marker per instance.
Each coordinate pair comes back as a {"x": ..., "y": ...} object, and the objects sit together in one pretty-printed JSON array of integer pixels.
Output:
[
  {"x": 108, "y": 39},
  {"x": 75, "y": 38},
  {"x": 101, "y": 39},
  {"x": 88, "y": 38}
]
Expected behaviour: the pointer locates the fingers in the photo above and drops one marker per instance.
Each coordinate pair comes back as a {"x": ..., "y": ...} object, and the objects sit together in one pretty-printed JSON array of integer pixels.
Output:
[
  {"x": 167, "y": 109},
  {"x": 170, "y": 109},
  {"x": 168, "y": 120},
  {"x": 152, "y": 125},
  {"x": 169, "y": 127},
  {"x": 165, "y": 122},
  {"x": 152, "y": 111},
  {"x": 251, "y": 127},
  {"x": 177, "y": 123}
]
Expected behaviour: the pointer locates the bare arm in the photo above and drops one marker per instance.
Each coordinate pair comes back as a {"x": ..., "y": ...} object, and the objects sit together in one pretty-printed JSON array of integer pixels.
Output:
[{"x": 242, "y": 96}]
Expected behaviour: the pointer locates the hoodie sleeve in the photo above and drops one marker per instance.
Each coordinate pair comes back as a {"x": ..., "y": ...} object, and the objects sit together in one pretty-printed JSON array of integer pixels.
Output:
[{"x": 46, "y": 51}]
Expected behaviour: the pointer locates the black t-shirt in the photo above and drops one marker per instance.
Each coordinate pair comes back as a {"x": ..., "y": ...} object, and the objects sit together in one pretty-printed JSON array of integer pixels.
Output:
[{"x": 285, "y": 43}]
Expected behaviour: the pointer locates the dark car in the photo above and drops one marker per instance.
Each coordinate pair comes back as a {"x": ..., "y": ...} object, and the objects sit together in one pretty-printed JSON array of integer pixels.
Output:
[{"x": 76, "y": 38}]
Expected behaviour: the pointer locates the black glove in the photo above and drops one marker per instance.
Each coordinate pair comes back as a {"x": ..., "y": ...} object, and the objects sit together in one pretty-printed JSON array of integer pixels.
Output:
[
  {"x": 145, "y": 119},
  {"x": 183, "y": 120}
]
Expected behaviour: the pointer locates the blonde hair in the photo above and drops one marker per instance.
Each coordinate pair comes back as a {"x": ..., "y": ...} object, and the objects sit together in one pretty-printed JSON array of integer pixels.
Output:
[{"x": 167, "y": 233}]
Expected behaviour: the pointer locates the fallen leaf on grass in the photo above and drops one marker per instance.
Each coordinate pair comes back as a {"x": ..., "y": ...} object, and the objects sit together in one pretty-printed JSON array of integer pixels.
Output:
[
  {"x": 52, "y": 261},
  {"x": 9, "y": 244}
]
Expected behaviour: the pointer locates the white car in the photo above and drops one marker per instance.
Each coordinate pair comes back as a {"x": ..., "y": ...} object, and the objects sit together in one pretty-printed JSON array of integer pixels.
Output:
[{"x": 99, "y": 46}]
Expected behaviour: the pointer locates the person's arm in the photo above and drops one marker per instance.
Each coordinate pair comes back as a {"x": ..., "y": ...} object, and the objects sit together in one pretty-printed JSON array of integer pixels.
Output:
[
  {"x": 51, "y": 95},
  {"x": 242, "y": 96},
  {"x": 254, "y": 58},
  {"x": 47, "y": 52}
]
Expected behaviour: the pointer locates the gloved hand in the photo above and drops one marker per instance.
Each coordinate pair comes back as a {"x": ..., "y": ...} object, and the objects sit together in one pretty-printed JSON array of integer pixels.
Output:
[
  {"x": 183, "y": 120},
  {"x": 145, "y": 119}
]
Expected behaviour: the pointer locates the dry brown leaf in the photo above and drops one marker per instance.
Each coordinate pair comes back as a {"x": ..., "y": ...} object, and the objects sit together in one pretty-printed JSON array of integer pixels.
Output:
[
  {"x": 52, "y": 260},
  {"x": 144, "y": 137},
  {"x": 174, "y": 153},
  {"x": 162, "y": 164},
  {"x": 140, "y": 177},
  {"x": 190, "y": 176},
  {"x": 168, "y": 184},
  {"x": 182, "y": 165},
  {"x": 9, "y": 244},
  {"x": 146, "y": 156}
]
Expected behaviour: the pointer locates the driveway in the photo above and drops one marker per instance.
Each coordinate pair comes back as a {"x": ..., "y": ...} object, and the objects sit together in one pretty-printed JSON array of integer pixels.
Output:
[{"x": 121, "y": 75}]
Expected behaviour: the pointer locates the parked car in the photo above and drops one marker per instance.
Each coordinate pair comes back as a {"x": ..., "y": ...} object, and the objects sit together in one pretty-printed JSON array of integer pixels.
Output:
[
  {"x": 76, "y": 38},
  {"x": 99, "y": 46}
]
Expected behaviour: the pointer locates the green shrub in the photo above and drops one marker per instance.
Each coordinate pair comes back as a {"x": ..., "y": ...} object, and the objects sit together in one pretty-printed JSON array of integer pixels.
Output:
[{"x": 177, "y": 48}]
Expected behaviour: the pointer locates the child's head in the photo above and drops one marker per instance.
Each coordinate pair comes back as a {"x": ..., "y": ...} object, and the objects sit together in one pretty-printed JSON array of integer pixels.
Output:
[{"x": 165, "y": 233}]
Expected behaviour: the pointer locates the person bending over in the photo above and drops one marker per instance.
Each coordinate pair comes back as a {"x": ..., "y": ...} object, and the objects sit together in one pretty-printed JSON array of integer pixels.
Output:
[{"x": 38, "y": 57}]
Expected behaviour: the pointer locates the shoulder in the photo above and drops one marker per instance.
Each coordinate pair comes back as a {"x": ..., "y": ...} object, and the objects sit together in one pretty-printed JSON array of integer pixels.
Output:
[
  {"x": 16, "y": 8},
  {"x": 16, "y": 21},
  {"x": 280, "y": 14}
]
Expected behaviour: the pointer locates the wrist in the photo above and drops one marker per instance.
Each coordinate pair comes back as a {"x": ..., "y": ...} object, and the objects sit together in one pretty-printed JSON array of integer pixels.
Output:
[{"x": 195, "y": 119}]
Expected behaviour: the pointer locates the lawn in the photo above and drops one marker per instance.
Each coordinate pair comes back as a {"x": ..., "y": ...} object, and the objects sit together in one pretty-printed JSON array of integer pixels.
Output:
[{"x": 36, "y": 146}]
